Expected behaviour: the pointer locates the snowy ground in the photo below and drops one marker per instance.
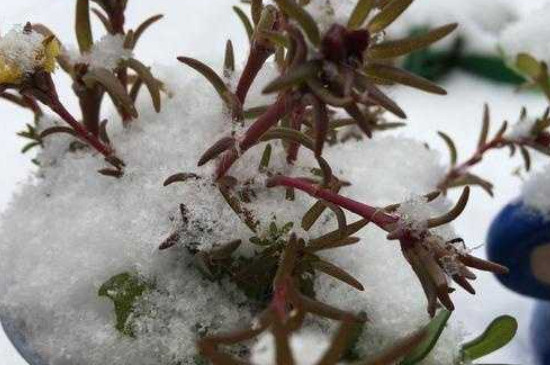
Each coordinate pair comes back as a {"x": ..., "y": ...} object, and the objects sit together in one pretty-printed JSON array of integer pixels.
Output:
[{"x": 459, "y": 114}]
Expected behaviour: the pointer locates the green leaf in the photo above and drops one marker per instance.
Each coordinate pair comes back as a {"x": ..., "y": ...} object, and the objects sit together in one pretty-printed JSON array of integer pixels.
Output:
[
  {"x": 29, "y": 146},
  {"x": 390, "y": 73},
  {"x": 83, "y": 26},
  {"x": 229, "y": 59},
  {"x": 294, "y": 77},
  {"x": 434, "y": 330},
  {"x": 305, "y": 20},
  {"x": 104, "y": 20},
  {"x": 246, "y": 22},
  {"x": 289, "y": 134},
  {"x": 388, "y": 15},
  {"x": 210, "y": 75},
  {"x": 497, "y": 335},
  {"x": 114, "y": 88},
  {"x": 451, "y": 145},
  {"x": 256, "y": 8},
  {"x": 143, "y": 27},
  {"x": 57, "y": 129},
  {"x": 396, "y": 48},
  {"x": 147, "y": 77},
  {"x": 124, "y": 290},
  {"x": 528, "y": 65},
  {"x": 360, "y": 13}
]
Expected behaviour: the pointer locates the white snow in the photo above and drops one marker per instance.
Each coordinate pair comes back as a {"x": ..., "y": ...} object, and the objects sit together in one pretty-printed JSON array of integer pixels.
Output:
[
  {"x": 307, "y": 348},
  {"x": 480, "y": 22},
  {"x": 74, "y": 229},
  {"x": 105, "y": 53},
  {"x": 521, "y": 130},
  {"x": 466, "y": 97},
  {"x": 21, "y": 49},
  {"x": 529, "y": 35},
  {"x": 536, "y": 191}
]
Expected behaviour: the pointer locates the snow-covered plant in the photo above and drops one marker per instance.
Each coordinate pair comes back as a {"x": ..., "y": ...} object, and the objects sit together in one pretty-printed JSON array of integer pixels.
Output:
[
  {"x": 260, "y": 259},
  {"x": 29, "y": 57}
]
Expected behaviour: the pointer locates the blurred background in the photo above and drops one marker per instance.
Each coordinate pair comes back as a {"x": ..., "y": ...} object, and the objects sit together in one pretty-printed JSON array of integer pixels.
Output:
[{"x": 200, "y": 28}]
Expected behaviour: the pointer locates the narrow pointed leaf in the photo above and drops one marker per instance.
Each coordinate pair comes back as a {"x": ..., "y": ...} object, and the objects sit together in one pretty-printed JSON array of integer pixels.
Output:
[
  {"x": 360, "y": 13},
  {"x": 289, "y": 134},
  {"x": 485, "y": 128},
  {"x": 217, "y": 148},
  {"x": 388, "y": 15},
  {"x": 181, "y": 177},
  {"x": 497, "y": 335},
  {"x": 308, "y": 24},
  {"x": 256, "y": 7},
  {"x": 526, "y": 157},
  {"x": 104, "y": 20},
  {"x": 83, "y": 26},
  {"x": 294, "y": 77},
  {"x": 433, "y": 331},
  {"x": 229, "y": 59},
  {"x": 326, "y": 95},
  {"x": 103, "y": 136},
  {"x": 451, "y": 145},
  {"x": 140, "y": 30},
  {"x": 209, "y": 74},
  {"x": 336, "y": 272},
  {"x": 396, "y": 48},
  {"x": 57, "y": 129},
  {"x": 147, "y": 77},
  {"x": 266, "y": 157},
  {"x": 112, "y": 85},
  {"x": 403, "y": 77},
  {"x": 246, "y": 22}
]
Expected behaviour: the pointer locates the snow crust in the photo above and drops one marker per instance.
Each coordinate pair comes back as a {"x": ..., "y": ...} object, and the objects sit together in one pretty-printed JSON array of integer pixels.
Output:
[
  {"x": 529, "y": 35},
  {"x": 536, "y": 191},
  {"x": 70, "y": 229}
]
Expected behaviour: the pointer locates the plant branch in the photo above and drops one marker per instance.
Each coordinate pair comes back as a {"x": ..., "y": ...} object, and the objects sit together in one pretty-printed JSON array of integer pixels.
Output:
[{"x": 378, "y": 216}]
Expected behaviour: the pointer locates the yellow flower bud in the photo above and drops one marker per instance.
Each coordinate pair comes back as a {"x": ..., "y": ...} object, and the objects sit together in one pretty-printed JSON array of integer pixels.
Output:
[{"x": 10, "y": 73}]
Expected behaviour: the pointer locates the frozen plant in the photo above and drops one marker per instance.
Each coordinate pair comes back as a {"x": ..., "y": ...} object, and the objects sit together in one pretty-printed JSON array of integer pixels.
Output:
[{"x": 244, "y": 244}]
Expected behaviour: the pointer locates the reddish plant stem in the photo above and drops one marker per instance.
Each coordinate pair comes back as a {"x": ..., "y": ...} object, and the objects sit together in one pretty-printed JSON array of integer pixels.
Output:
[
  {"x": 92, "y": 140},
  {"x": 256, "y": 59},
  {"x": 382, "y": 219},
  {"x": 284, "y": 105},
  {"x": 296, "y": 121},
  {"x": 461, "y": 169}
]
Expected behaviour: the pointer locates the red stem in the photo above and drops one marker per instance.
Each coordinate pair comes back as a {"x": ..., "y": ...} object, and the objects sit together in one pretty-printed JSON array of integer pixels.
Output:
[
  {"x": 60, "y": 110},
  {"x": 256, "y": 59},
  {"x": 375, "y": 215},
  {"x": 295, "y": 123},
  {"x": 284, "y": 104},
  {"x": 459, "y": 170}
]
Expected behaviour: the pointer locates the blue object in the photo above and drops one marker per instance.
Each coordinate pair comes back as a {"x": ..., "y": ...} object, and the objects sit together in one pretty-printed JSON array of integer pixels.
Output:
[
  {"x": 514, "y": 235},
  {"x": 18, "y": 338}
]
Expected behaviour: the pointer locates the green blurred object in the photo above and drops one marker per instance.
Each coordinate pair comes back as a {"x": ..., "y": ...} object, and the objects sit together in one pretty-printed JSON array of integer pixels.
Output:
[{"x": 435, "y": 64}]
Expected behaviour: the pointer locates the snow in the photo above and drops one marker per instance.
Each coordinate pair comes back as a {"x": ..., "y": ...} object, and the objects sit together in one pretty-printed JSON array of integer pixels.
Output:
[
  {"x": 307, "y": 348},
  {"x": 139, "y": 252},
  {"x": 21, "y": 49},
  {"x": 536, "y": 191},
  {"x": 92, "y": 228},
  {"x": 521, "y": 130},
  {"x": 105, "y": 53},
  {"x": 479, "y": 30},
  {"x": 528, "y": 36}
]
